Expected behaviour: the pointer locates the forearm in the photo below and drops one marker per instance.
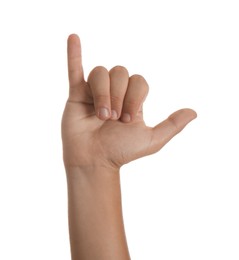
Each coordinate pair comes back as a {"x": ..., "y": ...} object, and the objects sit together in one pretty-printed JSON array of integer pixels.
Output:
[{"x": 95, "y": 215}]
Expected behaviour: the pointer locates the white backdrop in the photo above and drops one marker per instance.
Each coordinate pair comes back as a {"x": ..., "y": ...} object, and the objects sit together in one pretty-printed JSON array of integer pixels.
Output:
[{"x": 181, "y": 203}]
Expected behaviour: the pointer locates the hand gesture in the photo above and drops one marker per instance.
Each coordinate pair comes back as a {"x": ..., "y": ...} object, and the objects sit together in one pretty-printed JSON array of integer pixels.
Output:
[{"x": 102, "y": 124}]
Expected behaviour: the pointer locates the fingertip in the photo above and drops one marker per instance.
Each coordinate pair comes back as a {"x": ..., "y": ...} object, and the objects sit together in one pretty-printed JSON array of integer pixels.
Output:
[
  {"x": 114, "y": 115},
  {"x": 104, "y": 113},
  {"x": 126, "y": 118},
  {"x": 195, "y": 115},
  {"x": 179, "y": 119},
  {"x": 73, "y": 42},
  {"x": 167, "y": 129},
  {"x": 189, "y": 113},
  {"x": 73, "y": 36}
]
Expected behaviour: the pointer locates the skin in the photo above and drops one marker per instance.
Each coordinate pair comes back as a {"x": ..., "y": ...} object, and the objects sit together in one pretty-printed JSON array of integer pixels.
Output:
[{"x": 103, "y": 129}]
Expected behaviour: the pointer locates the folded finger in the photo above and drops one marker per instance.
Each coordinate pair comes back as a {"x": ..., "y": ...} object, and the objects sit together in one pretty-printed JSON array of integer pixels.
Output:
[
  {"x": 119, "y": 78},
  {"x": 135, "y": 95},
  {"x": 99, "y": 83}
]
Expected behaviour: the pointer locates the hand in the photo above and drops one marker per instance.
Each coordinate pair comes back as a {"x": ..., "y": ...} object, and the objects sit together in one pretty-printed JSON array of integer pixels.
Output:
[{"x": 102, "y": 124}]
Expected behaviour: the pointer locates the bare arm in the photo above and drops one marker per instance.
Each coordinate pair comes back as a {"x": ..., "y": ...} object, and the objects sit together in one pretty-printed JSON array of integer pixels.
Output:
[
  {"x": 95, "y": 215},
  {"x": 103, "y": 129}
]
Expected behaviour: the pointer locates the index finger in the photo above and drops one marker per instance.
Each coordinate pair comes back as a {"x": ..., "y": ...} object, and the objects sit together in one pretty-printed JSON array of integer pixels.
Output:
[{"x": 75, "y": 69}]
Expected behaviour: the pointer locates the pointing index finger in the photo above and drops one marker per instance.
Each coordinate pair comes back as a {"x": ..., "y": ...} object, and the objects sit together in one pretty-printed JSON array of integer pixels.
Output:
[{"x": 75, "y": 69}]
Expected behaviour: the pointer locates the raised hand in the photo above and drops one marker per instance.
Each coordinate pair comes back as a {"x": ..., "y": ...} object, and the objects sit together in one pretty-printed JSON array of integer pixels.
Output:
[
  {"x": 102, "y": 124},
  {"x": 102, "y": 129}
]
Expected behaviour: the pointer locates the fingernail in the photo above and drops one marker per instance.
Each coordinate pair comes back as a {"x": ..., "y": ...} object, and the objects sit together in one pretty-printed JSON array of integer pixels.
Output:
[
  {"x": 104, "y": 113},
  {"x": 114, "y": 114},
  {"x": 126, "y": 118}
]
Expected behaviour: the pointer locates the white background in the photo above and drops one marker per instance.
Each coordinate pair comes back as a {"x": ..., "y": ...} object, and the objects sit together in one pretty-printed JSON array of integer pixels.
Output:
[{"x": 181, "y": 203}]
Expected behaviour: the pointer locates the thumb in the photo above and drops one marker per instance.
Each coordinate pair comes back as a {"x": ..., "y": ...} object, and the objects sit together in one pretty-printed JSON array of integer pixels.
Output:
[
  {"x": 166, "y": 130},
  {"x": 75, "y": 69}
]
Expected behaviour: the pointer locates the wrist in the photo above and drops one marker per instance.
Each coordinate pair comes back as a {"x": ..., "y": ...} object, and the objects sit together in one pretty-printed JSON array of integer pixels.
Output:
[
  {"x": 87, "y": 164},
  {"x": 100, "y": 176}
]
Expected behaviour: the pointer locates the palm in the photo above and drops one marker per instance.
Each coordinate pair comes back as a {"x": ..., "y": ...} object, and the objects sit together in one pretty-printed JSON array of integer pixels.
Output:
[{"x": 109, "y": 141}]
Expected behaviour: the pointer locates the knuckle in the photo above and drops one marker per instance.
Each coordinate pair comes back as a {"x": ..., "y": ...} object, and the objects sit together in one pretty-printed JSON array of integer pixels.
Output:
[
  {"x": 137, "y": 77},
  {"x": 116, "y": 101},
  {"x": 99, "y": 69},
  {"x": 100, "y": 97},
  {"x": 96, "y": 73},
  {"x": 132, "y": 104},
  {"x": 101, "y": 101},
  {"x": 119, "y": 70},
  {"x": 116, "y": 98},
  {"x": 140, "y": 81},
  {"x": 173, "y": 124}
]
